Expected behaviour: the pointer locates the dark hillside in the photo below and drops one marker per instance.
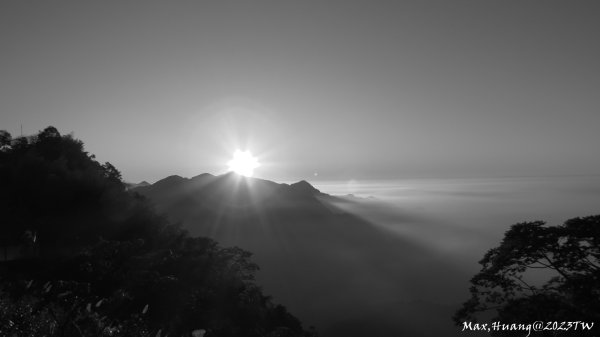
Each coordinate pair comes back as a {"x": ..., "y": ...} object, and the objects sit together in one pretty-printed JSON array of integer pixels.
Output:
[
  {"x": 83, "y": 256},
  {"x": 333, "y": 268}
]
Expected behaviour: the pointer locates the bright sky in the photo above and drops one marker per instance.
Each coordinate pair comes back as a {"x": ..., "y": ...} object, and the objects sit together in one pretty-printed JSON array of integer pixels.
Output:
[{"x": 344, "y": 89}]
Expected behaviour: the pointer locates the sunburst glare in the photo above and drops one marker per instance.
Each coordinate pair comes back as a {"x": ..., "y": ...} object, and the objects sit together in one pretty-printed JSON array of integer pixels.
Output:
[{"x": 243, "y": 163}]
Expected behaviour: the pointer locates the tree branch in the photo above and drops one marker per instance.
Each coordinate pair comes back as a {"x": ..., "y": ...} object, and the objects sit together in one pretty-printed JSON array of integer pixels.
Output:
[
  {"x": 528, "y": 287},
  {"x": 553, "y": 266},
  {"x": 591, "y": 264}
]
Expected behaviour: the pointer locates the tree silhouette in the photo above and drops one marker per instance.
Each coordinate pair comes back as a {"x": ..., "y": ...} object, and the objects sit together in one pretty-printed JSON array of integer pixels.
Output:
[
  {"x": 5, "y": 138},
  {"x": 540, "y": 272},
  {"x": 111, "y": 172},
  {"x": 48, "y": 133},
  {"x": 98, "y": 261}
]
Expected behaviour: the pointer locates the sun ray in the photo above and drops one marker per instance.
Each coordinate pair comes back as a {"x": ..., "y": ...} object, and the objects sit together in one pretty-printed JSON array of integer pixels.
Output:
[{"x": 243, "y": 163}]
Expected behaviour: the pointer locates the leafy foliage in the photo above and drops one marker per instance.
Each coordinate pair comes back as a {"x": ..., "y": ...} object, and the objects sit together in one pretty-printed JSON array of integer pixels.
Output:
[
  {"x": 59, "y": 309},
  {"x": 5, "y": 138},
  {"x": 96, "y": 260},
  {"x": 52, "y": 188},
  {"x": 539, "y": 272}
]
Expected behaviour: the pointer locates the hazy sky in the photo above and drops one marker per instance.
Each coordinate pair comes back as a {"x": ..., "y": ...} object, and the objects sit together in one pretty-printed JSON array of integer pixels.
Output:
[{"x": 347, "y": 89}]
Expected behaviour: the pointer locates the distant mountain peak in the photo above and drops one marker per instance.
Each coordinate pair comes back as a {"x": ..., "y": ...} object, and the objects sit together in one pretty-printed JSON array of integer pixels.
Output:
[
  {"x": 134, "y": 185},
  {"x": 304, "y": 187},
  {"x": 202, "y": 176},
  {"x": 170, "y": 180}
]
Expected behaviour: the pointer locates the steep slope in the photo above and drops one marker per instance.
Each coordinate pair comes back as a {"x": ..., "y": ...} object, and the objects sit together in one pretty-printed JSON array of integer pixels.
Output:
[{"x": 329, "y": 266}]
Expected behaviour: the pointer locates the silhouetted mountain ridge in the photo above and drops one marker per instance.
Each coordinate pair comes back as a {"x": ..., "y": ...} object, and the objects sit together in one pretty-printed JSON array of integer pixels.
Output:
[
  {"x": 328, "y": 265},
  {"x": 232, "y": 193},
  {"x": 174, "y": 181}
]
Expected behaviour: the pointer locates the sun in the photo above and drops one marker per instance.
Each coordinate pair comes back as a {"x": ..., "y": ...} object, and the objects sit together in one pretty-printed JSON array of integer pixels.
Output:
[{"x": 243, "y": 163}]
